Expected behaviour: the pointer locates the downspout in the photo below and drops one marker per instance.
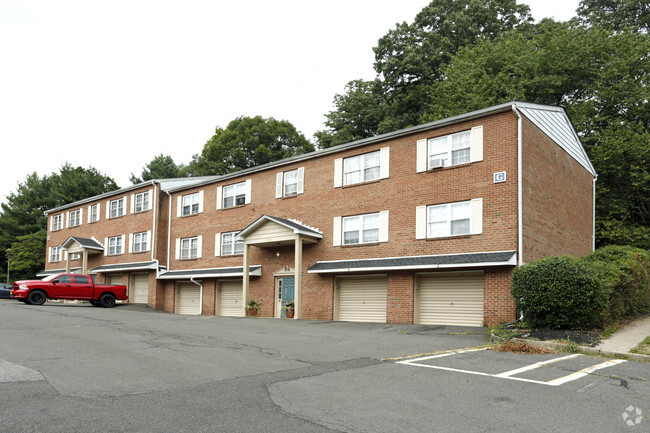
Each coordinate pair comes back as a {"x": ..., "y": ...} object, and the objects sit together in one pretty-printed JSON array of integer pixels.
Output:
[
  {"x": 200, "y": 295},
  {"x": 169, "y": 227},
  {"x": 154, "y": 230},
  {"x": 520, "y": 217},
  {"x": 593, "y": 214}
]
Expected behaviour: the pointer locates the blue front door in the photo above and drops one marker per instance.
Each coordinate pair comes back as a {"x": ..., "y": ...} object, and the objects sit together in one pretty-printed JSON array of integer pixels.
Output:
[{"x": 287, "y": 285}]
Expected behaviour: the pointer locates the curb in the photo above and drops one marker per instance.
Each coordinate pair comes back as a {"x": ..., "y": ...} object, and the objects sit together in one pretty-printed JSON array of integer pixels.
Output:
[{"x": 581, "y": 349}]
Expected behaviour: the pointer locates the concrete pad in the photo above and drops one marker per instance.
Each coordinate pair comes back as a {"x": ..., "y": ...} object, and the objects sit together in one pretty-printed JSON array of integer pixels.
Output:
[{"x": 10, "y": 372}]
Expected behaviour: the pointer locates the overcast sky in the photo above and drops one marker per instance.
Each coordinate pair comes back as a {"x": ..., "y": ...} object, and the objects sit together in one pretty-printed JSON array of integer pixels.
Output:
[{"x": 111, "y": 84}]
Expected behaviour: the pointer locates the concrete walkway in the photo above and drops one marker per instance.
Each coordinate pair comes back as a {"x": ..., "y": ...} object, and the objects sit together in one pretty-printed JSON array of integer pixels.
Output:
[{"x": 627, "y": 338}]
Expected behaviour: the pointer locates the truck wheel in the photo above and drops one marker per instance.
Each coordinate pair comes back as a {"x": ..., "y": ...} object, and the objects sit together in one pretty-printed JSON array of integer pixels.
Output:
[
  {"x": 36, "y": 297},
  {"x": 107, "y": 300},
  {"x": 94, "y": 303}
]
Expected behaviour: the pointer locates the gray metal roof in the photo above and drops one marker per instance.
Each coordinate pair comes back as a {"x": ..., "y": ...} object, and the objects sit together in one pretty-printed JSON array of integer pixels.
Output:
[
  {"x": 57, "y": 271},
  {"x": 85, "y": 243},
  {"x": 554, "y": 122},
  {"x": 126, "y": 267},
  {"x": 237, "y": 271},
  {"x": 499, "y": 258}
]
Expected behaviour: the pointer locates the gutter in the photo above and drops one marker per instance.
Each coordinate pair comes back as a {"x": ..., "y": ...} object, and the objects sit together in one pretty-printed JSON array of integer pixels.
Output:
[{"x": 520, "y": 216}]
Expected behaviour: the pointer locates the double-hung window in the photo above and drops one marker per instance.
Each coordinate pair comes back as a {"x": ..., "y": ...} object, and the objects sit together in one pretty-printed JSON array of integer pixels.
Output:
[
  {"x": 191, "y": 204},
  {"x": 55, "y": 254},
  {"x": 361, "y": 168},
  {"x": 140, "y": 242},
  {"x": 115, "y": 245},
  {"x": 116, "y": 208},
  {"x": 230, "y": 246},
  {"x": 190, "y": 248},
  {"x": 93, "y": 217},
  {"x": 449, "y": 150},
  {"x": 291, "y": 183},
  {"x": 449, "y": 219},
  {"x": 141, "y": 202},
  {"x": 361, "y": 229},
  {"x": 57, "y": 222},
  {"x": 234, "y": 195},
  {"x": 74, "y": 218}
]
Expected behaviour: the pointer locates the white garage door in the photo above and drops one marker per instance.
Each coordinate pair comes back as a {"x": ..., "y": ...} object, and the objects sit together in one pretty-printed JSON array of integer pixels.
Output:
[
  {"x": 230, "y": 299},
  {"x": 362, "y": 299},
  {"x": 139, "y": 290},
  {"x": 188, "y": 299},
  {"x": 451, "y": 299}
]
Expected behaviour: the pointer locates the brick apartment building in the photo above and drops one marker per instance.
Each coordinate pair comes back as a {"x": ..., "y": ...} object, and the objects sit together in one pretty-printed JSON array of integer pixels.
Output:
[{"x": 422, "y": 225}]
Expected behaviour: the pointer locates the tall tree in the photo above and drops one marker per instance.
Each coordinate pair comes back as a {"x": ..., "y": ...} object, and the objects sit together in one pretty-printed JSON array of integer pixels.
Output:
[
  {"x": 409, "y": 60},
  {"x": 27, "y": 255},
  {"x": 617, "y": 15},
  {"x": 22, "y": 213},
  {"x": 161, "y": 167},
  {"x": 248, "y": 142}
]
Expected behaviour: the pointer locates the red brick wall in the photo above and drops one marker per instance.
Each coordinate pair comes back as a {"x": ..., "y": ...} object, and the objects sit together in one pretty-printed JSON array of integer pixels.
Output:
[
  {"x": 557, "y": 199},
  {"x": 498, "y": 303},
  {"x": 400, "y": 298}
]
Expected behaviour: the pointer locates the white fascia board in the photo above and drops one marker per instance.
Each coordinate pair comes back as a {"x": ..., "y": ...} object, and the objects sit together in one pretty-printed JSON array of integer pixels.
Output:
[
  {"x": 253, "y": 273},
  {"x": 511, "y": 262},
  {"x": 417, "y": 257}
]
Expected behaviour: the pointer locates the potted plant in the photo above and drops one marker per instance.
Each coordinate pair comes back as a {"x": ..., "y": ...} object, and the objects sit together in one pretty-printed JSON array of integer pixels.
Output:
[
  {"x": 252, "y": 307},
  {"x": 289, "y": 309}
]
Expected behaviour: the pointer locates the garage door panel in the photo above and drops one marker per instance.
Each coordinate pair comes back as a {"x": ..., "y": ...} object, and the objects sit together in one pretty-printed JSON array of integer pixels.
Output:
[
  {"x": 188, "y": 299},
  {"x": 362, "y": 300},
  {"x": 139, "y": 290},
  {"x": 230, "y": 299},
  {"x": 451, "y": 300}
]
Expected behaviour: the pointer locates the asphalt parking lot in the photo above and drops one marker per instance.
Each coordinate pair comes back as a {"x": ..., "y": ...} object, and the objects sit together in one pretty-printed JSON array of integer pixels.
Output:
[{"x": 75, "y": 368}]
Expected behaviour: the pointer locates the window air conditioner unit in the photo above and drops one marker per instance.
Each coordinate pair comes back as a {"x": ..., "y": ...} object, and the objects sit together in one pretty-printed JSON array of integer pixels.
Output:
[{"x": 436, "y": 163}]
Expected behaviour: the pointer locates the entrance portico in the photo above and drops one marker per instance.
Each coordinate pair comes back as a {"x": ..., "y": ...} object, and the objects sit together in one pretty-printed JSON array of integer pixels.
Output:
[
  {"x": 82, "y": 246},
  {"x": 271, "y": 232}
]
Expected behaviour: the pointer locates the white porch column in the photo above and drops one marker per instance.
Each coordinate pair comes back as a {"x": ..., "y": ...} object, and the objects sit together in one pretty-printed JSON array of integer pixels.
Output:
[
  {"x": 298, "y": 279},
  {"x": 84, "y": 262},
  {"x": 67, "y": 262},
  {"x": 246, "y": 276}
]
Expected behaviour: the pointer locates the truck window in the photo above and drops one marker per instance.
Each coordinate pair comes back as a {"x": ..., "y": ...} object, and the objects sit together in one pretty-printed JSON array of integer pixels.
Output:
[
  {"x": 81, "y": 279},
  {"x": 63, "y": 279}
]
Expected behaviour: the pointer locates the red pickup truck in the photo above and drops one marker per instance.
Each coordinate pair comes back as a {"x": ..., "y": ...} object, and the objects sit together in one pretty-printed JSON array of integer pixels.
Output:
[{"x": 67, "y": 286}]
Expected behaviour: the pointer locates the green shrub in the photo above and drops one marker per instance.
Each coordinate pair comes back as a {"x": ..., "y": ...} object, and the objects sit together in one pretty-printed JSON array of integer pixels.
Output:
[
  {"x": 560, "y": 293},
  {"x": 625, "y": 271}
]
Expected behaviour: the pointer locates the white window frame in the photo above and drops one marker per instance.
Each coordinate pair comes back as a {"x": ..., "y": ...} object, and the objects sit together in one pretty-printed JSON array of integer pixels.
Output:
[
  {"x": 140, "y": 245},
  {"x": 424, "y": 219},
  {"x": 287, "y": 179},
  {"x": 230, "y": 246},
  {"x": 75, "y": 256},
  {"x": 57, "y": 222},
  {"x": 74, "y": 218},
  {"x": 357, "y": 164},
  {"x": 117, "y": 210},
  {"x": 93, "y": 213},
  {"x": 191, "y": 204},
  {"x": 439, "y": 151},
  {"x": 235, "y": 191},
  {"x": 142, "y": 202},
  {"x": 55, "y": 254},
  {"x": 342, "y": 225},
  {"x": 189, "y": 248},
  {"x": 115, "y": 245}
]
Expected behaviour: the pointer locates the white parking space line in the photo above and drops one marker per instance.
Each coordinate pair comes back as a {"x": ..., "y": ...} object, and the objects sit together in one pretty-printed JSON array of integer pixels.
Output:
[
  {"x": 584, "y": 372},
  {"x": 534, "y": 366},
  {"x": 511, "y": 374}
]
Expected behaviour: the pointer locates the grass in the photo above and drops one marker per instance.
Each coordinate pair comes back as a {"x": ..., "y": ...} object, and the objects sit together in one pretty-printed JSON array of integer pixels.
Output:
[
  {"x": 518, "y": 347},
  {"x": 643, "y": 348}
]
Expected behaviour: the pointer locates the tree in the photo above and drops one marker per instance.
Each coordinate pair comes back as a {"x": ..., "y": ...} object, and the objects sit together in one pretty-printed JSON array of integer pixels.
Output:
[
  {"x": 617, "y": 15},
  {"x": 23, "y": 212},
  {"x": 27, "y": 255},
  {"x": 409, "y": 60},
  {"x": 161, "y": 167},
  {"x": 248, "y": 142}
]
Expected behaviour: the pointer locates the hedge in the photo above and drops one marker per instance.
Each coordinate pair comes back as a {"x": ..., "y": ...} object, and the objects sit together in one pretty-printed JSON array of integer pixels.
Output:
[
  {"x": 582, "y": 293},
  {"x": 559, "y": 293}
]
